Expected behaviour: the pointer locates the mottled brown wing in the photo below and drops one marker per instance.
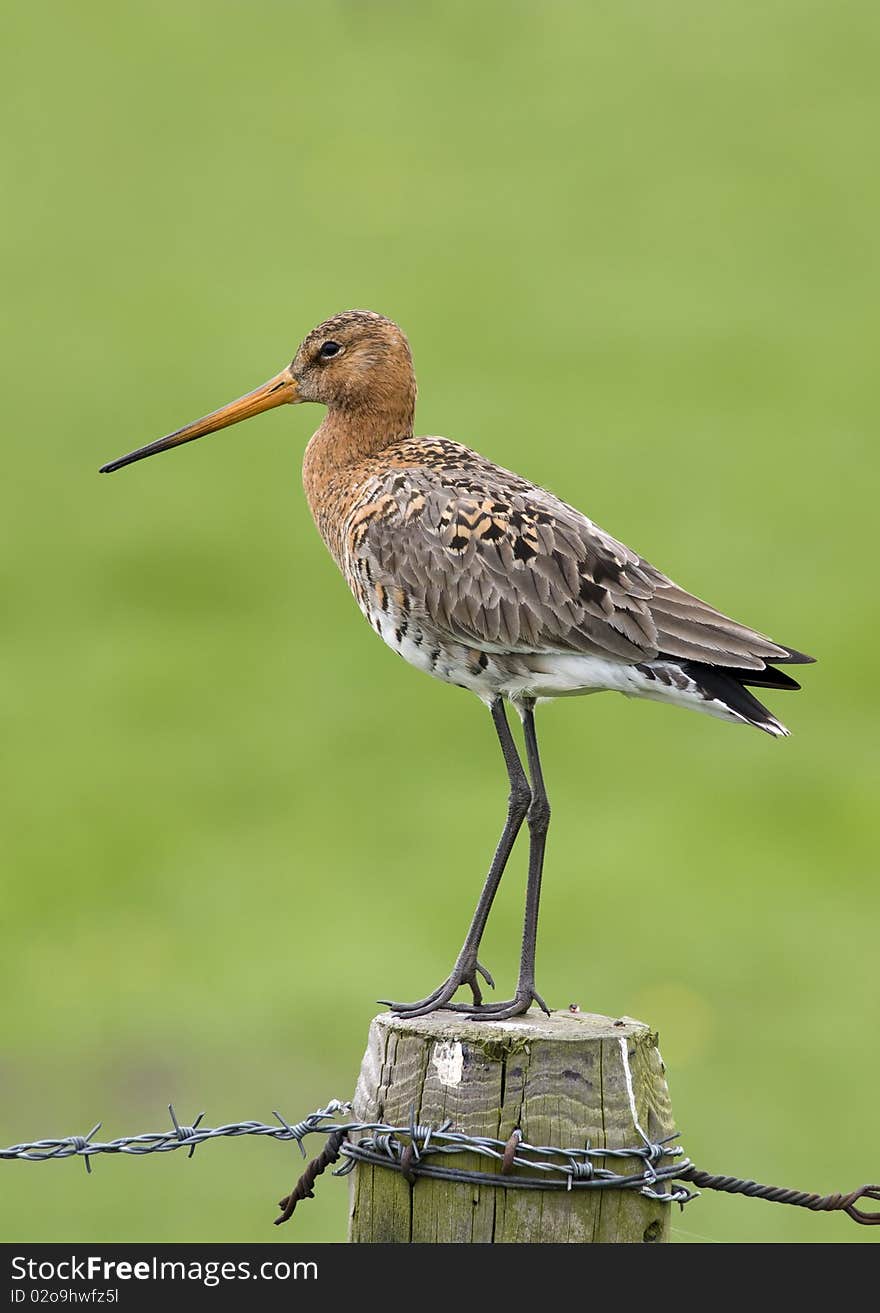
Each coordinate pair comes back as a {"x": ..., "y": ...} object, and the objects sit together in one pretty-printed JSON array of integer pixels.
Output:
[{"x": 497, "y": 563}]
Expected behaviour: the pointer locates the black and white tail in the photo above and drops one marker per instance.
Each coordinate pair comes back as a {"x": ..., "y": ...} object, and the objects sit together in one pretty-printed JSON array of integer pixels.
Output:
[
  {"x": 730, "y": 687},
  {"x": 723, "y": 691}
]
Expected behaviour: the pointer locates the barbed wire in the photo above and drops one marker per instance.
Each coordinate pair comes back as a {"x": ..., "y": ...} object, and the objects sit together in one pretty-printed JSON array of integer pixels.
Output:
[
  {"x": 409, "y": 1148},
  {"x": 178, "y": 1137}
]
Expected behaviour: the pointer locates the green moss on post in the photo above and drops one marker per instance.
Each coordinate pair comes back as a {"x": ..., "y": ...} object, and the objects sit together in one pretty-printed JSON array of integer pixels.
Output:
[{"x": 561, "y": 1079}]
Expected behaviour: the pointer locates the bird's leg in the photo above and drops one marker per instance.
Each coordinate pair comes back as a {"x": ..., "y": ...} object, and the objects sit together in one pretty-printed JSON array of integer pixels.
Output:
[
  {"x": 467, "y": 967},
  {"x": 539, "y": 821}
]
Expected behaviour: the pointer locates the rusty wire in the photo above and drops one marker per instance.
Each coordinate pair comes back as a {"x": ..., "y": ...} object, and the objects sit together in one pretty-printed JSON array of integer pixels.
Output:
[
  {"x": 304, "y": 1186},
  {"x": 777, "y": 1194}
]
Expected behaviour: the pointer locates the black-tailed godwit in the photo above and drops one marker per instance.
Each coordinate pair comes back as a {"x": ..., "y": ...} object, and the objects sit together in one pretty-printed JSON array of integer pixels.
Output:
[{"x": 486, "y": 580}]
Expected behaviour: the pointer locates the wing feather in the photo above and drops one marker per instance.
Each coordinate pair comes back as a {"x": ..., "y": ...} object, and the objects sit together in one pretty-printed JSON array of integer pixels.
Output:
[{"x": 495, "y": 562}]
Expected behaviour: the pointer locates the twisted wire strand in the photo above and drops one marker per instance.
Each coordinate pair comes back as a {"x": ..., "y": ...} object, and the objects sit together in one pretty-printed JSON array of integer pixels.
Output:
[
  {"x": 304, "y": 1186},
  {"x": 776, "y": 1194},
  {"x": 178, "y": 1137}
]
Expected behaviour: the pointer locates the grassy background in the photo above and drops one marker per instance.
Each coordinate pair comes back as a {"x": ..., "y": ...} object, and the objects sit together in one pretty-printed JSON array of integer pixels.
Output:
[{"x": 635, "y": 250}]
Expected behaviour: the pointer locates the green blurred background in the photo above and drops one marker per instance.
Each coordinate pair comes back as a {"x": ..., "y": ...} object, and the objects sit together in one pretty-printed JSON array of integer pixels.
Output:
[{"x": 635, "y": 248}]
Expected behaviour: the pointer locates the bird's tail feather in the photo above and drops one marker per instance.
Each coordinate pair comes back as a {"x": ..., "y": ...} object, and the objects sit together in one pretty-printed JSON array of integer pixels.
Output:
[{"x": 728, "y": 686}]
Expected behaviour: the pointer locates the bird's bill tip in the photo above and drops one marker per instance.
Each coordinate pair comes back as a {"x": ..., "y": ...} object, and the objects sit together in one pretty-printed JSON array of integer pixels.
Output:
[{"x": 281, "y": 390}]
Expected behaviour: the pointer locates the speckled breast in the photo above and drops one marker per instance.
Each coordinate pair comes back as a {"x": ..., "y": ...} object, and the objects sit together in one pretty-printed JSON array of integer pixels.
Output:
[{"x": 389, "y": 612}]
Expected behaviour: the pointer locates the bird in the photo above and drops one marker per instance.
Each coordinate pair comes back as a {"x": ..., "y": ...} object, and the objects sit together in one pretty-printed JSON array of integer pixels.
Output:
[{"x": 485, "y": 580}]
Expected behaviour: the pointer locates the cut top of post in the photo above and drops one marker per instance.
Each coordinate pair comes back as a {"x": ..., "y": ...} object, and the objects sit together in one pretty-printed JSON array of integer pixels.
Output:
[{"x": 562, "y": 1026}]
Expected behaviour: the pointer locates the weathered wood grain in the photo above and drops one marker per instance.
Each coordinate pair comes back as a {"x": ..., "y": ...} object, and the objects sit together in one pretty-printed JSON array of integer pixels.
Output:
[{"x": 561, "y": 1079}]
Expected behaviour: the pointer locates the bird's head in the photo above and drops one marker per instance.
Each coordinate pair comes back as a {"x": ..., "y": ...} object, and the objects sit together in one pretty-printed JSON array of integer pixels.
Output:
[{"x": 357, "y": 363}]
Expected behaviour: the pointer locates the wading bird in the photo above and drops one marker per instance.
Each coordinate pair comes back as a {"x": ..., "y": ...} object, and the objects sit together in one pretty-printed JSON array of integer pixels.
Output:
[{"x": 485, "y": 580}]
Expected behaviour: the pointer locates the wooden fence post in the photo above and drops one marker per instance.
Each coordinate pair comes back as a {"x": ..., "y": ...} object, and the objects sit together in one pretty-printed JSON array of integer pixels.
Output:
[{"x": 564, "y": 1080}]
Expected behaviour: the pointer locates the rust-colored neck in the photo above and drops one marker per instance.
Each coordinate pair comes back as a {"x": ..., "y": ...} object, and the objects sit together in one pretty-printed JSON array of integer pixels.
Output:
[{"x": 337, "y": 452}]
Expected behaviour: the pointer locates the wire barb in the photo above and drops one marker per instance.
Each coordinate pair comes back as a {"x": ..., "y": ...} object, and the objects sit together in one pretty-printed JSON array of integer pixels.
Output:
[
  {"x": 82, "y": 1145},
  {"x": 507, "y": 1158},
  {"x": 184, "y": 1133}
]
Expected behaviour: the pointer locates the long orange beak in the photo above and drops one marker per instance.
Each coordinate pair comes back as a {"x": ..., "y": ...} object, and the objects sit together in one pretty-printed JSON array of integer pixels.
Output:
[{"x": 281, "y": 390}]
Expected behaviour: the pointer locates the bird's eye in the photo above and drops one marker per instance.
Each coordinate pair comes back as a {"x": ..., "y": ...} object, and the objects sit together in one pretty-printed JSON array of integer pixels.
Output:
[{"x": 329, "y": 350}]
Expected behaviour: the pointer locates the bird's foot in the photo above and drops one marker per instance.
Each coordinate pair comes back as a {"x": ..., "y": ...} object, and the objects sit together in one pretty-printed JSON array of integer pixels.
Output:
[
  {"x": 465, "y": 972},
  {"x": 525, "y": 996}
]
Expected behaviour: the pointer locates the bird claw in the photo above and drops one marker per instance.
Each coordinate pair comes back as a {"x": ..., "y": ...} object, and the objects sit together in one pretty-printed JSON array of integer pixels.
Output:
[
  {"x": 464, "y": 973},
  {"x": 487, "y": 975}
]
